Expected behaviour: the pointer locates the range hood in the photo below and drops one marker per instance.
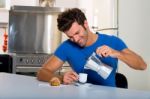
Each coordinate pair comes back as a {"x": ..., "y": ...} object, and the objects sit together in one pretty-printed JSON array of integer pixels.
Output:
[{"x": 33, "y": 29}]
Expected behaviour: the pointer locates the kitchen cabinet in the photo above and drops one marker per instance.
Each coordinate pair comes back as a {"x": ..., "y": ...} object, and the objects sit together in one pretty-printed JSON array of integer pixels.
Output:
[
  {"x": 4, "y": 14},
  {"x": 24, "y": 2}
]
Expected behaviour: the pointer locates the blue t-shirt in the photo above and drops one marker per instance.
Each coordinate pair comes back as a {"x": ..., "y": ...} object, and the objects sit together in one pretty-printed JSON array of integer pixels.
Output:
[{"x": 76, "y": 56}]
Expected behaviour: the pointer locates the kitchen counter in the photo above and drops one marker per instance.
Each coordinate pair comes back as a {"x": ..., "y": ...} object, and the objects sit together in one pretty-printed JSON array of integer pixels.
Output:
[{"x": 13, "y": 86}]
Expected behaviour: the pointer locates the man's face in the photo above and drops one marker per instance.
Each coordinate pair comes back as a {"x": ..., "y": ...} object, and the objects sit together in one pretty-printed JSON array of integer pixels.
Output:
[{"x": 77, "y": 34}]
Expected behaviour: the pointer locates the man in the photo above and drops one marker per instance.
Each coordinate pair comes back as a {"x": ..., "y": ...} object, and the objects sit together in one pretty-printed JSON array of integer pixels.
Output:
[{"x": 80, "y": 45}]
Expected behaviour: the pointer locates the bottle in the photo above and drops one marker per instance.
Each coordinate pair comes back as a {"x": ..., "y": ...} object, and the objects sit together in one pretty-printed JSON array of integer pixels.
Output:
[{"x": 48, "y": 3}]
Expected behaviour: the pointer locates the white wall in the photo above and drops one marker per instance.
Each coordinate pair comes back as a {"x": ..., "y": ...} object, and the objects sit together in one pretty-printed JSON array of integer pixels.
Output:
[{"x": 134, "y": 28}]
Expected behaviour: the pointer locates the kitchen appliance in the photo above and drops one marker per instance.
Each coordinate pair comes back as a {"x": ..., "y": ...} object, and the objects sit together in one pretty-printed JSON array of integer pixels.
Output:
[
  {"x": 5, "y": 63},
  {"x": 105, "y": 17},
  {"x": 33, "y": 36},
  {"x": 95, "y": 64}
]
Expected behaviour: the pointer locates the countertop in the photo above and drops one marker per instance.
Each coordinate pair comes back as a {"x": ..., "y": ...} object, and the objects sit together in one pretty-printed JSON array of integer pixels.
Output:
[{"x": 14, "y": 86}]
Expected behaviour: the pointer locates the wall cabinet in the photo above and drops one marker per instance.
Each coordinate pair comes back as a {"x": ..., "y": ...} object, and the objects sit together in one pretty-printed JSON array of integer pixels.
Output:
[
  {"x": 4, "y": 12},
  {"x": 4, "y": 15}
]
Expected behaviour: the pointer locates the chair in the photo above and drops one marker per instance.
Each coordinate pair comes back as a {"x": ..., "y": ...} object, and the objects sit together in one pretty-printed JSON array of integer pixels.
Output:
[{"x": 121, "y": 81}]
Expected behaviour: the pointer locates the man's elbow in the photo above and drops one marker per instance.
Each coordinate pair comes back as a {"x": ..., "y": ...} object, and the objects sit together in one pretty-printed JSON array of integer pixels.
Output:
[
  {"x": 39, "y": 75},
  {"x": 140, "y": 66},
  {"x": 44, "y": 75},
  {"x": 144, "y": 66}
]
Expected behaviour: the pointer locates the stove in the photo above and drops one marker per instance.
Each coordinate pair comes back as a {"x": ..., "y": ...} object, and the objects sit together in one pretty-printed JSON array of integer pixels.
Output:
[
  {"x": 28, "y": 62},
  {"x": 31, "y": 45}
]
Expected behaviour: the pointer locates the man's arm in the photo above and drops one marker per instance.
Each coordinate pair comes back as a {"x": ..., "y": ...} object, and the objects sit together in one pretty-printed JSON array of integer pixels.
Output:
[
  {"x": 46, "y": 73},
  {"x": 127, "y": 56},
  {"x": 132, "y": 59}
]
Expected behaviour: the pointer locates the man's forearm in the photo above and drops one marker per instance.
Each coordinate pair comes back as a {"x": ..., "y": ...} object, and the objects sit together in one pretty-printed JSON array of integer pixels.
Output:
[
  {"x": 133, "y": 60},
  {"x": 46, "y": 75}
]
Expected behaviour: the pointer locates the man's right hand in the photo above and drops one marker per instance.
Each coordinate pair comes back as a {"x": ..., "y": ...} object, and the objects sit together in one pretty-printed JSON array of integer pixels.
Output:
[{"x": 70, "y": 77}]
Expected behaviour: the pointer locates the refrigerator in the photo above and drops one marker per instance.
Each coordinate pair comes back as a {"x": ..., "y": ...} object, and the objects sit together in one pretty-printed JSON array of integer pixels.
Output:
[
  {"x": 105, "y": 16},
  {"x": 102, "y": 15}
]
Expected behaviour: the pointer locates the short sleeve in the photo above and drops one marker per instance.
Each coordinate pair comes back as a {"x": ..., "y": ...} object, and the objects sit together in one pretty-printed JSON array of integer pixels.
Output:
[
  {"x": 119, "y": 44},
  {"x": 61, "y": 52}
]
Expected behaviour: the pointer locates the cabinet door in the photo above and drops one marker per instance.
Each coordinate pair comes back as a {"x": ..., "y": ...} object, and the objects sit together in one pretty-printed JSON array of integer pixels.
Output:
[{"x": 3, "y": 16}]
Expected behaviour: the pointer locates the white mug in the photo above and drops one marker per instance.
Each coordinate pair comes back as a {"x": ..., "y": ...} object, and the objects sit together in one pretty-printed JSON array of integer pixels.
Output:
[{"x": 83, "y": 77}]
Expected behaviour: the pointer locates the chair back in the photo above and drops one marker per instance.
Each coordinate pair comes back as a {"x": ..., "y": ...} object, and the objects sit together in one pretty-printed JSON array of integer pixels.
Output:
[{"x": 121, "y": 81}]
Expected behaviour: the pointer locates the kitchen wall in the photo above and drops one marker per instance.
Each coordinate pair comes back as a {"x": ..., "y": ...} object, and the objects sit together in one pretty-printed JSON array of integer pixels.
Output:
[{"x": 134, "y": 23}]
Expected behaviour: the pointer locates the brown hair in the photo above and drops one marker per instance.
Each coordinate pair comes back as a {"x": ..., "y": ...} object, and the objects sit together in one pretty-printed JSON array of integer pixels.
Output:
[{"x": 66, "y": 18}]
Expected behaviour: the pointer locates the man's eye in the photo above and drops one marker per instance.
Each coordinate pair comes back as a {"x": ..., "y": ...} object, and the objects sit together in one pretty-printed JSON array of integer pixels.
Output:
[{"x": 77, "y": 33}]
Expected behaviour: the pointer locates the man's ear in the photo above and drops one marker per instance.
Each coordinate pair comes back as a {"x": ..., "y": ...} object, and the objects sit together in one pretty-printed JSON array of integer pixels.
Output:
[{"x": 86, "y": 24}]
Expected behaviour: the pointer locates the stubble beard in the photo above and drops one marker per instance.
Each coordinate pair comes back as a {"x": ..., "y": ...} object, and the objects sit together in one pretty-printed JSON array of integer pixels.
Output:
[{"x": 84, "y": 39}]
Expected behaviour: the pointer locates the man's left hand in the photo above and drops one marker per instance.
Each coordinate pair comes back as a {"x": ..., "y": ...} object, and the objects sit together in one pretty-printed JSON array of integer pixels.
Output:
[{"x": 105, "y": 51}]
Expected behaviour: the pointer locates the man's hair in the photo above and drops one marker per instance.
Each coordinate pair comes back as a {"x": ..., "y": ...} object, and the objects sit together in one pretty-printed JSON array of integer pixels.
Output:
[{"x": 66, "y": 18}]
